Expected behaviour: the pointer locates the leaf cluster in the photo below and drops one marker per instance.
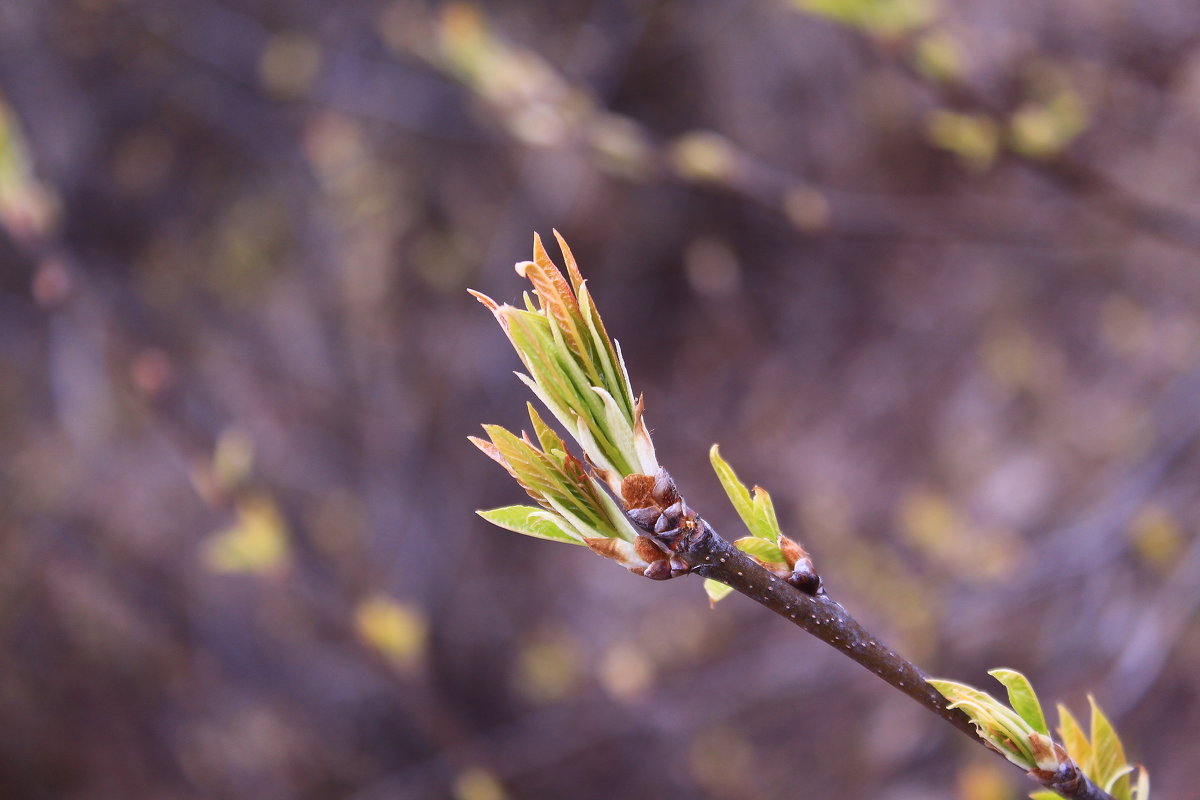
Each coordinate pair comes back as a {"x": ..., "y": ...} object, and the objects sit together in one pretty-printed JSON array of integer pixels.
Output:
[{"x": 1019, "y": 732}]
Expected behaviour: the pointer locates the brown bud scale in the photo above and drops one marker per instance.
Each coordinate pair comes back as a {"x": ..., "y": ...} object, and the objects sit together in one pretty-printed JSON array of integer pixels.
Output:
[{"x": 637, "y": 490}]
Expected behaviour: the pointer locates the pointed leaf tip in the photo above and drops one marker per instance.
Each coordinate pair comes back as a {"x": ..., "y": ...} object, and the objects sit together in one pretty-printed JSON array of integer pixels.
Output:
[
  {"x": 488, "y": 302},
  {"x": 569, "y": 258}
]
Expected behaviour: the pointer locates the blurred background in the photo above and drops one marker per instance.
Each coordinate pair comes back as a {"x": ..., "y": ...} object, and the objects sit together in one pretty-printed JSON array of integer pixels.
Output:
[{"x": 927, "y": 271}]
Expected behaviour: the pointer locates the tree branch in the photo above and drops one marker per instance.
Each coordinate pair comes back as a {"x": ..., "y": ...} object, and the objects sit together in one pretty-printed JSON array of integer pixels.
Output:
[{"x": 709, "y": 555}]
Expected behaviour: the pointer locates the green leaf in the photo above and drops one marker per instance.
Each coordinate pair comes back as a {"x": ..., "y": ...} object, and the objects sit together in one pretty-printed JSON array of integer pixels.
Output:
[
  {"x": 1022, "y": 698},
  {"x": 717, "y": 590},
  {"x": 1074, "y": 739},
  {"x": 547, "y": 438},
  {"x": 530, "y": 521},
  {"x": 619, "y": 430},
  {"x": 739, "y": 496},
  {"x": 1108, "y": 756},
  {"x": 764, "y": 515},
  {"x": 762, "y": 550},
  {"x": 998, "y": 724},
  {"x": 605, "y": 354},
  {"x": 1045, "y": 795}
]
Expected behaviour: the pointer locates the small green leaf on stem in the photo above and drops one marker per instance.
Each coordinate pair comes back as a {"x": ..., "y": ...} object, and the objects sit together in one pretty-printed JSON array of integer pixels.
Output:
[
  {"x": 757, "y": 511},
  {"x": 716, "y": 590},
  {"x": 763, "y": 551}
]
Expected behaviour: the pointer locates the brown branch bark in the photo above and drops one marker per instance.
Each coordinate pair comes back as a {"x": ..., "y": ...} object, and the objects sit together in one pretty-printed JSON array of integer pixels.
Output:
[{"x": 709, "y": 555}]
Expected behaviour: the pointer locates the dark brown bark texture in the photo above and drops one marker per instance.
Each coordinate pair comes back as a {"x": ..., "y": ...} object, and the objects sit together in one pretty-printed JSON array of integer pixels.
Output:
[{"x": 709, "y": 555}]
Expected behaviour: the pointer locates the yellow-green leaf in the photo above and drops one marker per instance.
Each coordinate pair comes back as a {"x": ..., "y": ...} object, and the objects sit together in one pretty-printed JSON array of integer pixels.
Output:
[
  {"x": 1022, "y": 698},
  {"x": 396, "y": 630},
  {"x": 530, "y": 521},
  {"x": 716, "y": 590},
  {"x": 734, "y": 488},
  {"x": 547, "y": 438},
  {"x": 764, "y": 551},
  {"x": 764, "y": 515},
  {"x": 1108, "y": 756},
  {"x": 757, "y": 511},
  {"x": 256, "y": 542},
  {"x": 1074, "y": 739}
]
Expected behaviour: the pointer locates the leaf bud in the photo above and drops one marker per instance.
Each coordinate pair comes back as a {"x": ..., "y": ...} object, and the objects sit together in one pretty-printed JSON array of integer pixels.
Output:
[
  {"x": 805, "y": 578},
  {"x": 658, "y": 570}
]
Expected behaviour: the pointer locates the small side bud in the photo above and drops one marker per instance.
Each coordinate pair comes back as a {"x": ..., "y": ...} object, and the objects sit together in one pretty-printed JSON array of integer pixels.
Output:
[
  {"x": 659, "y": 570},
  {"x": 679, "y": 567},
  {"x": 805, "y": 578},
  {"x": 671, "y": 517}
]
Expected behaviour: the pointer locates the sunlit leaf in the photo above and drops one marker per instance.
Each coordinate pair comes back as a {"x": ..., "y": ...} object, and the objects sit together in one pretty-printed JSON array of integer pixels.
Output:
[
  {"x": 395, "y": 629},
  {"x": 256, "y": 542}
]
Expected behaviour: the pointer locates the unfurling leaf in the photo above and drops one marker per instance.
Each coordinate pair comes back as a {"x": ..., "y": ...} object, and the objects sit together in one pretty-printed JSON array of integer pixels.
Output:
[
  {"x": 531, "y": 521},
  {"x": 1020, "y": 735},
  {"x": 574, "y": 506},
  {"x": 1022, "y": 698},
  {"x": 575, "y": 369},
  {"x": 756, "y": 510},
  {"x": 1001, "y": 727},
  {"x": 739, "y": 496}
]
